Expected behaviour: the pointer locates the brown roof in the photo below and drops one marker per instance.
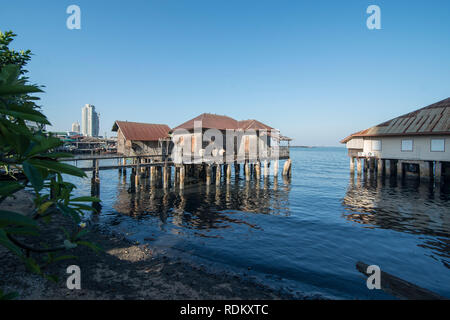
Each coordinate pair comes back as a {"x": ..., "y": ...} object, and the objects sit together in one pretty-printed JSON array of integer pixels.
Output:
[
  {"x": 142, "y": 131},
  {"x": 253, "y": 124},
  {"x": 210, "y": 121},
  {"x": 433, "y": 119}
]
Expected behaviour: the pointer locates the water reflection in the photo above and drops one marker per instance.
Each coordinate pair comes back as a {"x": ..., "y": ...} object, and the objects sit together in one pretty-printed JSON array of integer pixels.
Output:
[
  {"x": 203, "y": 207},
  {"x": 407, "y": 205}
]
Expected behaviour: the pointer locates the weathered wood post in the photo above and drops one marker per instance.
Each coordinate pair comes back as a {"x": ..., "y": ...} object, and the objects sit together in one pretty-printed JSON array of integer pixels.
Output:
[
  {"x": 165, "y": 176},
  {"x": 266, "y": 168},
  {"x": 358, "y": 166},
  {"x": 438, "y": 171},
  {"x": 247, "y": 171},
  {"x": 152, "y": 175},
  {"x": 237, "y": 170},
  {"x": 425, "y": 169},
  {"x": 381, "y": 164},
  {"x": 400, "y": 170},
  {"x": 228, "y": 172},
  {"x": 287, "y": 168},
  {"x": 182, "y": 175},
  {"x": 276, "y": 164},
  {"x": 258, "y": 169},
  {"x": 208, "y": 174},
  {"x": 352, "y": 165},
  {"x": 218, "y": 173}
]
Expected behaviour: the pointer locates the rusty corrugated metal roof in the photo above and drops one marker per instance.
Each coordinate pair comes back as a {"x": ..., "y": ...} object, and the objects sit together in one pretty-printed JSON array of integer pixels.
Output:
[
  {"x": 210, "y": 121},
  {"x": 253, "y": 124},
  {"x": 142, "y": 131},
  {"x": 433, "y": 119},
  {"x": 215, "y": 121}
]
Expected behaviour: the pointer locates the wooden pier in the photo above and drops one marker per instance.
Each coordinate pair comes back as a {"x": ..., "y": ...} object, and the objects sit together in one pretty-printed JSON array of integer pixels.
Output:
[{"x": 160, "y": 169}]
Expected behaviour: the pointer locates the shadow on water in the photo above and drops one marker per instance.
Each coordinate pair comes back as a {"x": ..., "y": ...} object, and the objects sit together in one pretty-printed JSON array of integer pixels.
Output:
[{"x": 407, "y": 205}]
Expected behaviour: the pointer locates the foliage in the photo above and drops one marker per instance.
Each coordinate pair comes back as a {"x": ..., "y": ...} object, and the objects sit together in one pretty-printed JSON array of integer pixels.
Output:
[
  {"x": 9, "y": 56},
  {"x": 27, "y": 151}
]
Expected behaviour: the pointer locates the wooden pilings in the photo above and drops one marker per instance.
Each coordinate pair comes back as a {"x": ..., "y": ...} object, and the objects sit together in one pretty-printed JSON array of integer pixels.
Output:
[
  {"x": 160, "y": 173},
  {"x": 287, "y": 168}
]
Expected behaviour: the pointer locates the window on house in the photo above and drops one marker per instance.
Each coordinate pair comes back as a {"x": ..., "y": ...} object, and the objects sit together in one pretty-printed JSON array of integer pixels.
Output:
[
  {"x": 438, "y": 145},
  {"x": 376, "y": 145},
  {"x": 407, "y": 145}
]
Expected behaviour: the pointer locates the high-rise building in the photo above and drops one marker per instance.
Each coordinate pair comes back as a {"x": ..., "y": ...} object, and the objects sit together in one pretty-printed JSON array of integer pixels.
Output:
[
  {"x": 76, "y": 127},
  {"x": 89, "y": 121}
]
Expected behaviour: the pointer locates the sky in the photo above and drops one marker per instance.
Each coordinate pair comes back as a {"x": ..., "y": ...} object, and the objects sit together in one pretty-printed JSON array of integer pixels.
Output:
[{"x": 309, "y": 68}]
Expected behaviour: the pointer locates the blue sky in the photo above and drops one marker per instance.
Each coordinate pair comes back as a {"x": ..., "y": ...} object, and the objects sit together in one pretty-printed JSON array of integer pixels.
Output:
[{"x": 310, "y": 68}]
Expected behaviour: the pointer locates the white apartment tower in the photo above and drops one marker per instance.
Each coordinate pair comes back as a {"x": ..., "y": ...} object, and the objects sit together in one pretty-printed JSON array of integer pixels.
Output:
[{"x": 89, "y": 121}]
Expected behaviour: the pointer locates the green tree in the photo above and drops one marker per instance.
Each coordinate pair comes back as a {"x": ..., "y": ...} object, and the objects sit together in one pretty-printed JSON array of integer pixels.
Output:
[{"x": 28, "y": 152}]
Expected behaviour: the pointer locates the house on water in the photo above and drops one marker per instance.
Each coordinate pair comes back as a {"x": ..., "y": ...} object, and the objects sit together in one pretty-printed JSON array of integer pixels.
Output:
[
  {"x": 417, "y": 143},
  {"x": 135, "y": 138},
  {"x": 251, "y": 139}
]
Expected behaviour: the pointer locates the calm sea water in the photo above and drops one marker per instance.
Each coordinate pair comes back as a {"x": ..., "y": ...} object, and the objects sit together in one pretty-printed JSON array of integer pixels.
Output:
[{"x": 305, "y": 234}]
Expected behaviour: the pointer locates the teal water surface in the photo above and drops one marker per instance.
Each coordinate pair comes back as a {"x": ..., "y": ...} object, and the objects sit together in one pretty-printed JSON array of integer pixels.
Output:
[{"x": 304, "y": 234}]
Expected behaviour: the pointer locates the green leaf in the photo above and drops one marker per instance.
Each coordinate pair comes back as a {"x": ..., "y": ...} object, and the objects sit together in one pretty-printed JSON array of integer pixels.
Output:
[
  {"x": 22, "y": 231},
  {"x": 9, "y": 187},
  {"x": 58, "y": 167},
  {"x": 14, "y": 218},
  {"x": 85, "y": 199},
  {"x": 34, "y": 175},
  {"x": 4, "y": 241},
  {"x": 91, "y": 245}
]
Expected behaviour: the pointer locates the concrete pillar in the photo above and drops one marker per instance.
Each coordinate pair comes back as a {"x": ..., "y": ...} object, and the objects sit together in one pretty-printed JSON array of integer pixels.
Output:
[
  {"x": 258, "y": 169},
  {"x": 266, "y": 168},
  {"x": 352, "y": 165},
  {"x": 237, "y": 169},
  {"x": 287, "y": 168},
  {"x": 424, "y": 169},
  {"x": 381, "y": 166},
  {"x": 218, "y": 173},
  {"x": 182, "y": 176},
  {"x": 275, "y": 168},
  {"x": 438, "y": 171},
  {"x": 208, "y": 174},
  {"x": 372, "y": 165},
  {"x": 358, "y": 165},
  {"x": 400, "y": 169},
  {"x": 247, "y": 170},
  {"x": 228, "y": 173}
]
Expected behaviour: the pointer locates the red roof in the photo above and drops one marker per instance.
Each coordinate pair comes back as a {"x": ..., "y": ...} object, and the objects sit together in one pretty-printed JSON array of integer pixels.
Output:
[{"x": 142, "y": 131}]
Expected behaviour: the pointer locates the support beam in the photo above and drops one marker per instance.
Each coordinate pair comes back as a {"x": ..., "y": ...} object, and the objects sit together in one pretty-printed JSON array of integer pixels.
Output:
[
  {"x": 358, "y": 165},
  {"x": 228, "y": 173},
  {"x": 287, "y": 168},
  {"x": 425, "y": 169},
  {"x": 218, "y": 173},
  {"x": 400, "y": 170},
  {"x": 258, "y": 170},
  {"x": 266, "y": 168},
  {"x": 438, "y": 171},
  {"x": 352, "y": 165},
  {"x": 381, "y": 166},
  {"x": 208, "y": 174},
  {"x": 275, "y": 167},
  {"x": 182, "y": 175},
  {"x": 247, "y": 171}
]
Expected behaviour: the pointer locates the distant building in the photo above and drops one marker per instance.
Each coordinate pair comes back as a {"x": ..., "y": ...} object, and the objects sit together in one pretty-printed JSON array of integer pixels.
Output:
[
  {"x": 76, "y": 127},
  {"x": 414, "y": 143},
  {"x": 89, "y": 121}
]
